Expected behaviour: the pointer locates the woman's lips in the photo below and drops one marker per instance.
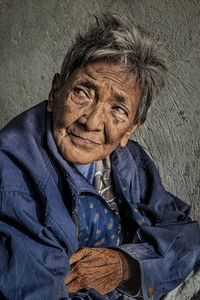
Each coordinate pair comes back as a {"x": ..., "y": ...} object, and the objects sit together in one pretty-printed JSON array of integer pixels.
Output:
[{"x": 82, "y": 140}]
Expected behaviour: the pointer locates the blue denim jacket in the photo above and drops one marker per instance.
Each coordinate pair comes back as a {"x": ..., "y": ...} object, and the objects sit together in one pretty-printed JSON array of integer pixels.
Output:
[{"x": 38, "y": 194}]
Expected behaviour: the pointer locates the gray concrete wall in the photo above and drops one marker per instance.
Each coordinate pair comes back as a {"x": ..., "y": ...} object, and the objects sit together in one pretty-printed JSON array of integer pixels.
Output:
[{"x": 35, "y": 35}]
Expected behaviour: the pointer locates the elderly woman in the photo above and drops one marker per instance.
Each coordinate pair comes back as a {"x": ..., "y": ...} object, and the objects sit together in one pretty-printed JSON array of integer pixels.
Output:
[{"x": 84, "y": 214}]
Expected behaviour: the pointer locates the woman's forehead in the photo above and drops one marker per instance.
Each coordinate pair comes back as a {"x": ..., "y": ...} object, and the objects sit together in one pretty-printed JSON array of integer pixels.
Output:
[{"x": 105, "y": 73}]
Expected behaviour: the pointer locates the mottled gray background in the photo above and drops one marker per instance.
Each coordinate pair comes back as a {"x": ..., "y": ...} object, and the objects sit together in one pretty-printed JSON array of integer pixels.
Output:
[{"x": 35, "y": 35}]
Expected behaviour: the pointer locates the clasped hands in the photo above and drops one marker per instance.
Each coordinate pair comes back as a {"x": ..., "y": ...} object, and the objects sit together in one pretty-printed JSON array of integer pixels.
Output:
[{"x": 99, "y": 268}]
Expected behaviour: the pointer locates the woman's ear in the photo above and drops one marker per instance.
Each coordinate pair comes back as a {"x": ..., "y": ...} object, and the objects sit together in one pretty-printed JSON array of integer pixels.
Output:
[
  {"x": 56, "y": 85},
  {"x": 129, "y": 133}
]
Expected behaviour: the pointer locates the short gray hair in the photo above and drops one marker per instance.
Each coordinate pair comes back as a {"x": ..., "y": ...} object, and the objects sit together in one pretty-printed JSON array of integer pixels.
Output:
[{"x": 119, "y": 40}]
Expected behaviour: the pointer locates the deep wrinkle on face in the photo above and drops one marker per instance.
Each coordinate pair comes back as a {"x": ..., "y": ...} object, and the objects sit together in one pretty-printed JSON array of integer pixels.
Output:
[{"x": 93, "y": 112}]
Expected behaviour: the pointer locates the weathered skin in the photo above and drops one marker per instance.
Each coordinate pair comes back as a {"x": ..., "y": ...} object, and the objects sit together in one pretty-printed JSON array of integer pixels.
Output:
[
  {"x": 93, "y": 112},
  {"x": 98, "y": 268}
]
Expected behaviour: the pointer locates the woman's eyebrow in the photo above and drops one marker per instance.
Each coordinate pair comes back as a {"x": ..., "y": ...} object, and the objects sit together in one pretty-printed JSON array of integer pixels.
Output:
[
  {"x": 88, "y": 84},
  {"x": 120, "y": 98}
]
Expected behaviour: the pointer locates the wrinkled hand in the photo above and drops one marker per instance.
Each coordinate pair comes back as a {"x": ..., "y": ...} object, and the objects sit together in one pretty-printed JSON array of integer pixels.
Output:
[{"x": 99, "y": 268}]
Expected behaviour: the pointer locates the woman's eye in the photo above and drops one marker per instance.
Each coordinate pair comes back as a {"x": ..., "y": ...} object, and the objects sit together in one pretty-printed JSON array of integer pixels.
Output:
[
  {"x": 79, "y": 91},
  {"x": 120, "y": 110},
  {"x": 80, "y": 96}
]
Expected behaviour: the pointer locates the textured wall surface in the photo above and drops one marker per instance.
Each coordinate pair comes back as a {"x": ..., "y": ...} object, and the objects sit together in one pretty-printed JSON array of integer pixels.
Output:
[{"x": 35, "y": 35}]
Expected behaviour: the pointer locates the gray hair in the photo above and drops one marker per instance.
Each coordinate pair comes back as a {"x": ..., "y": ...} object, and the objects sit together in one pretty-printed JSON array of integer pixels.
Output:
[{"x": 119, "y": 40}]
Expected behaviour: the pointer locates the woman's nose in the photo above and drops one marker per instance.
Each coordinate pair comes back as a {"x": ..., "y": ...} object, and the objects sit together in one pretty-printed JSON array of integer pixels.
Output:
[{"x": 94, "y": 119}]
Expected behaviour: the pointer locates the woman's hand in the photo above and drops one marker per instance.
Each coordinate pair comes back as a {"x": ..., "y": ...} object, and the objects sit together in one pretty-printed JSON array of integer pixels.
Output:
[{"x": 99, "y": 268}]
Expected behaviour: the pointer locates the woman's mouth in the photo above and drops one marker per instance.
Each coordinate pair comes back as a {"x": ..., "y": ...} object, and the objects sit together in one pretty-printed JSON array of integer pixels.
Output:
[{"x": 81, "y": 139}]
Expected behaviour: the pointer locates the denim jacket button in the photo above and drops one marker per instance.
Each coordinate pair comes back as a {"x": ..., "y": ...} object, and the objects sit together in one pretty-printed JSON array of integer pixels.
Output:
[{"x": 151, "y": 292}]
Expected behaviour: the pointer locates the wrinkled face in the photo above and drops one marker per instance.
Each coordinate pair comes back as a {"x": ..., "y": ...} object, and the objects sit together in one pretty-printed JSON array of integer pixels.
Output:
[{"x": 93, "y": 111}]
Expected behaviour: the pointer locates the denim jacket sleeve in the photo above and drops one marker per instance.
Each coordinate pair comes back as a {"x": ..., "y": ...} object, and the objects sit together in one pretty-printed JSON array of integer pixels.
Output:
[
  {"x": 167, "y": 245},
  {"x": 33, "y": 263}
]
